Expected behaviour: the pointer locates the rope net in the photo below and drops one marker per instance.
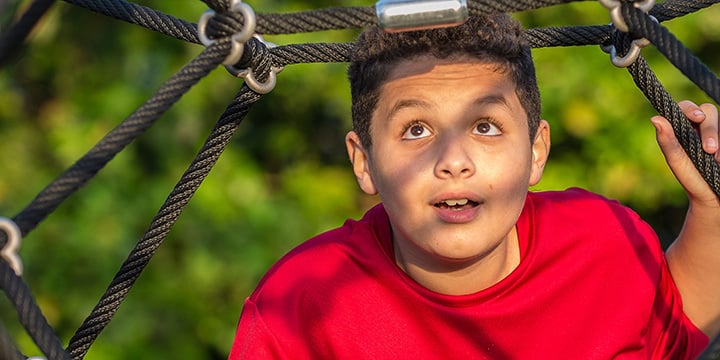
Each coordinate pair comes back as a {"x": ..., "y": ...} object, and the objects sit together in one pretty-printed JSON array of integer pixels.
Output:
[{"x": 259, "y": 63}]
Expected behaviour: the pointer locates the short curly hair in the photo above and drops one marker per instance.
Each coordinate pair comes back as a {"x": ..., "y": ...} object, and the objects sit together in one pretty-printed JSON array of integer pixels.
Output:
[{"x": 495, "y": 38}]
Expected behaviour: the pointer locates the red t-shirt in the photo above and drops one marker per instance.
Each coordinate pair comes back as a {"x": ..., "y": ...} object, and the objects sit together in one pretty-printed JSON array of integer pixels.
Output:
[{"x": 592, "y": 283}]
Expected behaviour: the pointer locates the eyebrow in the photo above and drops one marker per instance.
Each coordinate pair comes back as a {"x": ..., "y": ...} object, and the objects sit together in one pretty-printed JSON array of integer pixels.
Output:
[
  {"x": 491, "y": 99},
  {"x": 407, "y": 103}
]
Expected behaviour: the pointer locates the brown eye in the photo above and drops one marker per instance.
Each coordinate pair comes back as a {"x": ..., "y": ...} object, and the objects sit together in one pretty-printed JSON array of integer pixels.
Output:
[
  {"x": 487, "y": 128},
  {"x": 416, "y": 131},
  {"x": 484, "y": 128}
]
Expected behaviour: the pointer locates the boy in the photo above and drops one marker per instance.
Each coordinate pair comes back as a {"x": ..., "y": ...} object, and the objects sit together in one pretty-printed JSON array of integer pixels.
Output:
[{"x": 460, "y": 260}]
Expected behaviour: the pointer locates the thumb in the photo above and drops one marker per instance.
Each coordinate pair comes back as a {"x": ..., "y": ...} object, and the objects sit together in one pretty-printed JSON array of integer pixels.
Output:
[{"x": 679, "y": 162}]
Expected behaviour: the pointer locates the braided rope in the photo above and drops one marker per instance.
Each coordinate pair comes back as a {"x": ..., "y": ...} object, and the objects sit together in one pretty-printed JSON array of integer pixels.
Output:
[
  {"x": 142, "y": 16},
  {"x": 7, "y": 347},
  {"x": 661, "y": 100},
  {"x": 29, "y": 314},
  {"x": 674, "y": 51},
  {"x": 671, "y": 9},
  {"x": 169, "y": 212},
  {"x": 117, "y": 139}
]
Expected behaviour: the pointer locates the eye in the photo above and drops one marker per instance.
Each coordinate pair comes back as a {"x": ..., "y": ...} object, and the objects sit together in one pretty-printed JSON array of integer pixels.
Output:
[
  {"x": 415, "y": 130},
  {"x": 487, "y": 128}
]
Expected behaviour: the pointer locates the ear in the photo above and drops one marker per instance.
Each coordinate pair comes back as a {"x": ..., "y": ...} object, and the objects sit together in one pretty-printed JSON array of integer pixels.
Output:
[
  {"x": 540, "y": 152},
  {"x": 360, "y": 159}
]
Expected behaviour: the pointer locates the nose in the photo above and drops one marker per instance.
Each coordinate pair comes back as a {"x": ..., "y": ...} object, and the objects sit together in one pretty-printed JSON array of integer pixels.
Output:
[{"x": 454, "y": 160}]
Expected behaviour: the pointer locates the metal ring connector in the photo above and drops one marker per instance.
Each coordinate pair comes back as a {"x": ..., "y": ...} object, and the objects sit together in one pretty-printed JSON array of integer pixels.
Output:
[
  {"x": 9, "y": 251},
  {"x": 249, "y": 76},
  {"x": 616, "y": 14},
  {"x": 239, "y": 38},
  {"x": 632, "y": 54}
]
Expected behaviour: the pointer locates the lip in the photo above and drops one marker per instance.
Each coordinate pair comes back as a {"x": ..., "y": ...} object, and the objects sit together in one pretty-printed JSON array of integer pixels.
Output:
[{"x": 455, "y": 216}]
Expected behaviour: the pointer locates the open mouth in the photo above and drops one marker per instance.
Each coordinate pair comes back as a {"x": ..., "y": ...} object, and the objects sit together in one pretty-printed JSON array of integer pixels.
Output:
[{"x": 456, "y": 204}]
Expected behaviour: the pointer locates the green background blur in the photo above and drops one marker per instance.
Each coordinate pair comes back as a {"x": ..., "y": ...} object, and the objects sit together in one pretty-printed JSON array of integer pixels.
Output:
[{"x": 284, "y": 177}]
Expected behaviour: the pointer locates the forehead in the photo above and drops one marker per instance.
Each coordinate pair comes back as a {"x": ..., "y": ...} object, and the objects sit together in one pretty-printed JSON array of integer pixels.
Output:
[
  {"x": 424, "y": 65},
  {"x": 451, "y": 80}
]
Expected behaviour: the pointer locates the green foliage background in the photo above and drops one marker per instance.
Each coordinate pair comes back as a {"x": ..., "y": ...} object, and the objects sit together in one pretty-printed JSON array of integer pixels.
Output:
[{"x": 284, "y": 177}]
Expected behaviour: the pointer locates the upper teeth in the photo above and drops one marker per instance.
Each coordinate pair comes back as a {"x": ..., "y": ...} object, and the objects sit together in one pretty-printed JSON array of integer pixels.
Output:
[{"x": 456, "y": 202}]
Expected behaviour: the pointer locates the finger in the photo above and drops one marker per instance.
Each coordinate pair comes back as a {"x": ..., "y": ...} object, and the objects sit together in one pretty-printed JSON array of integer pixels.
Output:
[
  {"x": 692, "y": 111},
  {"x": 709, "y": 129},
  {"x": 676, "y": 158}
]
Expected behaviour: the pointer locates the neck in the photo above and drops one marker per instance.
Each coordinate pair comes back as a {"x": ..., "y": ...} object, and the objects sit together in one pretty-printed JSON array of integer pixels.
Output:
[{"x": 462, "y": 277}]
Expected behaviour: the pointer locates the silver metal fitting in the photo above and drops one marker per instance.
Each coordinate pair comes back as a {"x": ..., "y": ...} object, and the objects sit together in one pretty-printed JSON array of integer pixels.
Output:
[
  {"x": 249, "y": 75},
  {"x": 9, "y": 252},
  {"x": 407, "y": 15},
  {"x": 239, "y": 38},
  {"x": 632, "y": 54},
  {"x": 616, "y": 14}
]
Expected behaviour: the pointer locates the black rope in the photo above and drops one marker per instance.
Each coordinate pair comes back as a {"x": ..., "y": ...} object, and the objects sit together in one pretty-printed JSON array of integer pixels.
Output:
[
  {"x": 12, "y": 39},
  {"x": 642, "y": 26},
  {"x": 29, "y": 314},
  {"x": 511, "y": 6},
  {"x": 311, "y": 53},
  {"x": 7, "y": 347},
  {"x": 332, "y": 18},
  {"x": 161, "y": 224},
  {"x": 568, "y": 36},
  {"x": 676, "y": 8},
  {"x": 663, "y": 103},
  {"x": 142, "y": 16},
  {"x": 256, "y": 58},
  {"x": 117, "y": 139}
]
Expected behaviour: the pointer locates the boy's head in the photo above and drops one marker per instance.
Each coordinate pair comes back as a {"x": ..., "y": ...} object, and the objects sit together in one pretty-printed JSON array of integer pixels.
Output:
[
  {"x": 454, "y": 144},
  {"x": 495, "y": 39}
]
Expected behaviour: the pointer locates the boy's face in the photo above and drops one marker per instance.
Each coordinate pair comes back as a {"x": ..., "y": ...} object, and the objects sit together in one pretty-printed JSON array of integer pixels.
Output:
[{"x": 451, "y": 161}]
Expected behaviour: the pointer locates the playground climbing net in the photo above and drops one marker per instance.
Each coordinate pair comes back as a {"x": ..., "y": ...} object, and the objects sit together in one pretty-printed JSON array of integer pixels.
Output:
[{"x": 232, "y": 32}]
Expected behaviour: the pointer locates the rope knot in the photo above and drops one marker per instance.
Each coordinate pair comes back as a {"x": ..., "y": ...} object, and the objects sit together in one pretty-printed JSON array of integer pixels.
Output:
[
  {"x": 256, "y": 65},
  {"x": 623, "y": 40},
  {"x": 253, "y": 65},
  {"x": 226, "y": 24}
]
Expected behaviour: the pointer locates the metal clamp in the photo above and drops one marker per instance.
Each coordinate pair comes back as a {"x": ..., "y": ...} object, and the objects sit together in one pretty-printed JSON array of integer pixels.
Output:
[
  {"x": 249, "y": 75},
  {"x": 616, "y": 15},
  {"x": 9, "y": 251},
  {"x": 632, "y": 54},
  {"x": 239, "y": 38},
  {"x": 407, "y": 15}
]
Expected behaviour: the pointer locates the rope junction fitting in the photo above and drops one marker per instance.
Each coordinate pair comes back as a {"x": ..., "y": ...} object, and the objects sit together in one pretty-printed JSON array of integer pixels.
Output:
[
  {"x": 9, "y": 252},
  {"x": 616, "y": 15},
  {"x": 407, "y": 15},
  {"x": 230, "y": 32},
  {"x": 239, "y": 38}
]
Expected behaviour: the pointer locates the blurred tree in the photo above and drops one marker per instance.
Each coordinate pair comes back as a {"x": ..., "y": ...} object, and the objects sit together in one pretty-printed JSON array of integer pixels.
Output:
[{"x": 284, "y": 177}]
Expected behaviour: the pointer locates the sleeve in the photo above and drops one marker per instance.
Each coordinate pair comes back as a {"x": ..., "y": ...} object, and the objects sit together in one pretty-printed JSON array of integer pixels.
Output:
[
  {"x": 678, "y": 337},
  {"x": 253, "y": 339}
]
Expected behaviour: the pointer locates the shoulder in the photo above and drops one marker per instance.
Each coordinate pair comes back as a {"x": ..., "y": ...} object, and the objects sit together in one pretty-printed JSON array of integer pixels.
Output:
[
  {"x": 321, "y": 260},
  {"x": 601, "y": 225},
  {"x": 580, "y": 205}
]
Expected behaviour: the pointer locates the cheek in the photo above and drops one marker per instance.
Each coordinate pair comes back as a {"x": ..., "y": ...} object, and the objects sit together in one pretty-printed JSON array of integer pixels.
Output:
[
  {"x": 509, "y": 174},
  {"x": 395, "y": 173}
]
